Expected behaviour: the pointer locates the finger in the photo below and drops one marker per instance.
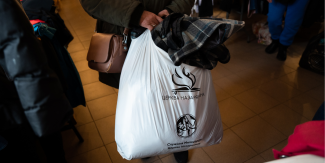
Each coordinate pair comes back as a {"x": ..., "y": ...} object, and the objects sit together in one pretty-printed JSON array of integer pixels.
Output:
[
  {"x": 154, "y": 22},
  {"x": 159, "y": 19},
  {"x": 160, "y": 14}
]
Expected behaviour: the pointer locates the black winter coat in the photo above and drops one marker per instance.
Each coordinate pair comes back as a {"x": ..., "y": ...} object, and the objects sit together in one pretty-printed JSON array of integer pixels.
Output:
[{"x": 30, "y": 91}]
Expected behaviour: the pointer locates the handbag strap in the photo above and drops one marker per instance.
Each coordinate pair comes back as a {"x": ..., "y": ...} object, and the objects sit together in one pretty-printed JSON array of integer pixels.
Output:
[
  {"x": 125, "y": 34},
  {"x": 126, "y": 31}
]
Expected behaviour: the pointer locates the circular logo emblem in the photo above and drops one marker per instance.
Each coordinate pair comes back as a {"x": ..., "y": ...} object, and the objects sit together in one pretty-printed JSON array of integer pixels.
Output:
[{"x": 186, "y": 125}]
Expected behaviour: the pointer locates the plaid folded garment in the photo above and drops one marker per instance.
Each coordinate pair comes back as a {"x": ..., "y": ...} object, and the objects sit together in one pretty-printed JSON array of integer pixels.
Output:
[{"x": 194, "y": 41}]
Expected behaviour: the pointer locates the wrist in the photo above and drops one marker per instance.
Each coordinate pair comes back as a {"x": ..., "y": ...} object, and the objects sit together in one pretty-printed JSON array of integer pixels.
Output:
[{"x": 169, "y": 10}]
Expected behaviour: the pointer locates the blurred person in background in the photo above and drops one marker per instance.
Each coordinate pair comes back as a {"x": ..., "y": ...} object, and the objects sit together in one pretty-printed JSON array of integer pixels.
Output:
[
  {"x": 282, "y": 38},
  {"x": 32, "y": 102},
  {"x": 206, "y": 8}
]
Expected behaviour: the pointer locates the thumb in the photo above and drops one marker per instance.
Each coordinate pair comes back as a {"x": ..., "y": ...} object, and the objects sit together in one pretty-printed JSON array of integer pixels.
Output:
[
  {"x": 149, "y": 27},
  {"x": 159, "y": 19}
]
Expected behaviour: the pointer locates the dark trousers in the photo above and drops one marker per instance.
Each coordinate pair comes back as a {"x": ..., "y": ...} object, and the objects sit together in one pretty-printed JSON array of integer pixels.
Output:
[
  {"x": 294, "y": 17},
  {"x": 22, "y": 146},
  {"x": 52, "y": 146}
]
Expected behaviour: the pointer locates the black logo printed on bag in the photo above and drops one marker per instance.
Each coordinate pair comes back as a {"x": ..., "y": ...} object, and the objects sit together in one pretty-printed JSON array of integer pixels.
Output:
[
  {"x": 185, "y": 88},
  {"x": 186, "y": 125}
]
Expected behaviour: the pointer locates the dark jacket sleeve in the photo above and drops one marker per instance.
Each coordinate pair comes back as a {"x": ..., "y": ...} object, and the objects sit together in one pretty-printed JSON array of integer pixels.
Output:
[
  {"x": 181, "y": 6},
  {"x": 21, "y": 56},
  {"x": 117, "y": 12}
]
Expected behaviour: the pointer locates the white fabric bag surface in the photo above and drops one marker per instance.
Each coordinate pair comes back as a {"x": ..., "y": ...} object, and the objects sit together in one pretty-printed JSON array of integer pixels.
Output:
[{"x": 163, "y": 108}]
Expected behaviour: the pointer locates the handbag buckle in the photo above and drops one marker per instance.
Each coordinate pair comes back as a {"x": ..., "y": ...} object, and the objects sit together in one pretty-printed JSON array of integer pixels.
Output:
[{"x": 125, "y": 39}]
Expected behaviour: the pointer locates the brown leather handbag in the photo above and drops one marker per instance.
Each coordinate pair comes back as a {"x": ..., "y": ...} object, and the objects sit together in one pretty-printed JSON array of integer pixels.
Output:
[{"x": 107, "y": 52}]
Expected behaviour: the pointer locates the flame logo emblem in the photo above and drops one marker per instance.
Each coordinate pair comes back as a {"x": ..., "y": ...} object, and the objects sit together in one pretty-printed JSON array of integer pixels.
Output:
[
  {"x": 185, "y": 88},
  {"x": 186, "y": 125}
]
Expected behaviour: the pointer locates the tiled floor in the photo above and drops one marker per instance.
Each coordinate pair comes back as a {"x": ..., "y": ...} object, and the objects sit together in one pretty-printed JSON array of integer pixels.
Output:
[{"x": 261, "y": 100}]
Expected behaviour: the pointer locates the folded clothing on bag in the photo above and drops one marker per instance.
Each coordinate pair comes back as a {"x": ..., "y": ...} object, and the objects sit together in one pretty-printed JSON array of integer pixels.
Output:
[{"x": 194, "y": 41}]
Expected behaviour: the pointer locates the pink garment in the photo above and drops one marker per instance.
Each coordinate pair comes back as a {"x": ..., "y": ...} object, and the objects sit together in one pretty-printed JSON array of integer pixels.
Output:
[
  {"x": 36, "y": 21},
  {"x": 307, "y": 138}
]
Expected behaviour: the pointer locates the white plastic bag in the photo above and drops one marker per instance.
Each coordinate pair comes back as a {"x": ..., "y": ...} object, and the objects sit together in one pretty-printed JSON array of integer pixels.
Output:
[{"x": 163, "y": 108}]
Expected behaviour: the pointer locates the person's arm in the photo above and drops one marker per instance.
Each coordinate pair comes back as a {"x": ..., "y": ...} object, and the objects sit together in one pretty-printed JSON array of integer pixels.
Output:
[
  {"x": 46, "y": 107},
  {"x": 124, "y": 13}
]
